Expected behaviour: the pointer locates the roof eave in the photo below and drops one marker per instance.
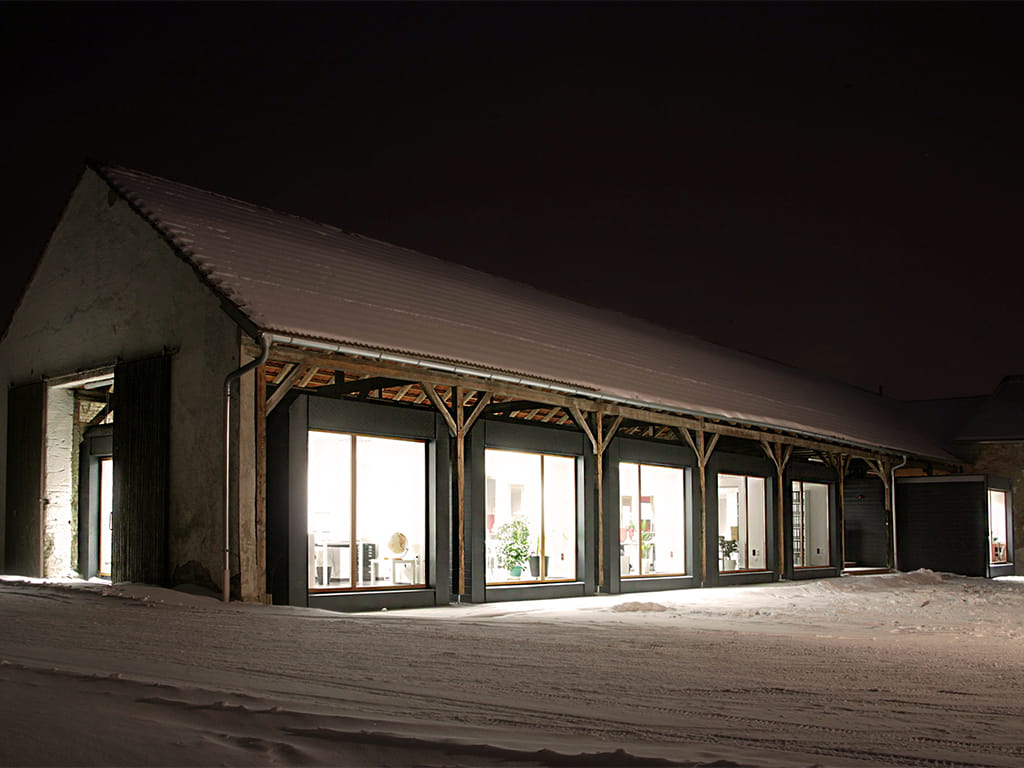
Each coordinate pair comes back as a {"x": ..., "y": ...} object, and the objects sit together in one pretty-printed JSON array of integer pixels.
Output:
[{"x": 454, "y": 368}]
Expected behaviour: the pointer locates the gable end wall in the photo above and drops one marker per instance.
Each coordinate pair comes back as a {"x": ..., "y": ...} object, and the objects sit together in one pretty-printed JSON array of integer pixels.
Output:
[{"x": 108, "y": 288}]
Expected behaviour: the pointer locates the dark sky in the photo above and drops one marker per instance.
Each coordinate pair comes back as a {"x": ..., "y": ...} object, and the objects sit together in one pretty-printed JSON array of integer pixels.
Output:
[{"x": 834, "y": 186}]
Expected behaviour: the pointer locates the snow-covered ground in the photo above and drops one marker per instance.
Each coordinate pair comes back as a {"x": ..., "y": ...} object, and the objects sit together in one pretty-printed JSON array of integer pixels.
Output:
[{"x": 917, "y": 669}]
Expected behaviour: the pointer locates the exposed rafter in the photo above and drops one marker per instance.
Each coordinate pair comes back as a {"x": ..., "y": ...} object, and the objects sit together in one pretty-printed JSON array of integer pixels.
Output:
[
  {"x": 399, "y": 372},
  {"x": 296, "y": 373}
]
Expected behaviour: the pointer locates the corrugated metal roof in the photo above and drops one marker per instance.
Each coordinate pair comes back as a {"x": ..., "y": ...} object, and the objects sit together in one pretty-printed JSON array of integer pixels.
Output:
[{"x": 293, "y": 276}]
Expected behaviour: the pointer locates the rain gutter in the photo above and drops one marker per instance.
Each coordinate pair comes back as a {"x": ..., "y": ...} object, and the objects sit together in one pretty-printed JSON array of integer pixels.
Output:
[{"x": 537, "y": 383}]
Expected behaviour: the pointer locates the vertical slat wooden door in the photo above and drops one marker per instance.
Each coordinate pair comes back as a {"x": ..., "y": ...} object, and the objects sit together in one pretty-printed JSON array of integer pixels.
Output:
[
  {"x": 141, "y": 480},
  {"x": 23, "y": 548}
]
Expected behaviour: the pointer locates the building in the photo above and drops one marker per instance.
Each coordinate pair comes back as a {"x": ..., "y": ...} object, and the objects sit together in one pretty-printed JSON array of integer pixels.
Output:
[{"x": 205, "y": 391}]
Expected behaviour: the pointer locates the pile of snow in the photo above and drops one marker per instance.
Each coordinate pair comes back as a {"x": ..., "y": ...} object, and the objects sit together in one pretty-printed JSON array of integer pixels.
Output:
[{"x": 902, "y": 669}]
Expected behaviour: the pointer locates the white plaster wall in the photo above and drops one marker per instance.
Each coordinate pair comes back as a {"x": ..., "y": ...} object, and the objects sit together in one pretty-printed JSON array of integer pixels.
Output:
[
  {"x": 108, "y": 287},
  {"x": 58, "y": 492}
]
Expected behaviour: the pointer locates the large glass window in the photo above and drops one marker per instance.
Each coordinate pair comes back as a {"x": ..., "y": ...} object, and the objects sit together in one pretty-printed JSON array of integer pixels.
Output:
[
  {"x": 998, "y": 541},
  {"x": 742, "y": 515},
  {"x": 810, "y": 525},
  {"x": 106, "y": 522},
  {"x": 652, "y": 520},
  {"x": 367, "y": 502},
  {"x": 530, "y": 516}
]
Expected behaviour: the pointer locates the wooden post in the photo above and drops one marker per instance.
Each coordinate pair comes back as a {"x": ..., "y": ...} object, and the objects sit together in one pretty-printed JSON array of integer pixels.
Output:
[
  {"x": 460, "y": 481},
  {"x": 599, "y": 441},
  {"x": 703, "y": 451},
  {"x": 600, "y": 498},
  {"x": 840, "y": 462},
  {"x": 779, "y": 454},
  {"x": 459, "y": 426},
  {"x": 261, "y": 482},
  {"x": 882, "y": 468}
]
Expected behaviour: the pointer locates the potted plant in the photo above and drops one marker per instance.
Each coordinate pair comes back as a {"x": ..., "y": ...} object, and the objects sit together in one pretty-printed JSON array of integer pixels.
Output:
[
  {"x": 728, "y": 548},
  {"x": 513, "y": 546}
]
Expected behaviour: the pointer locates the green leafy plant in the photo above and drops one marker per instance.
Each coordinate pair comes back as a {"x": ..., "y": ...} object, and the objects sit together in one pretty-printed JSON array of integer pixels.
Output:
[
  {"x": 514, "y": 544},
  {"x": 646, "y": 538},
  {"x": 726, "y": 546}
]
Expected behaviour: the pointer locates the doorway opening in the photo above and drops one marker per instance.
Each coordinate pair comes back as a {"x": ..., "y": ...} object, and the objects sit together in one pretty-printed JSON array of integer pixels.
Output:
[{"x": 77, "y": 474}]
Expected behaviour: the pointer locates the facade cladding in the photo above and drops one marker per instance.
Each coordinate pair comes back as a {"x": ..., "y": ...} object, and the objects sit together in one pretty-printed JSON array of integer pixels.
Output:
[{"x": 385, "y": 448}]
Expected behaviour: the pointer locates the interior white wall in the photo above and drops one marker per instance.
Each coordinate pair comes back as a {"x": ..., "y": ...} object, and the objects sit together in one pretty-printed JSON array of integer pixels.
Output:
[
  {"x": 109, "y": 287},
  {"x": 59, "y": 488},
  {"x": 756, "y": 516},
  {"x": 816, "y": 501}
]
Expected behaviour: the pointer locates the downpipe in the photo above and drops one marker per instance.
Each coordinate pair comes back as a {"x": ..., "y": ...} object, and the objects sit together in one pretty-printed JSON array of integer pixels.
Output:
[
  {"x": 892, "y": 505},
  {"x": 228, "y": 381}
]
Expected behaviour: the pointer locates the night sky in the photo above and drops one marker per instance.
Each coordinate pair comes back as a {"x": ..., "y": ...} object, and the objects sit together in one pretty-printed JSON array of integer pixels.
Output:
[{"x": 837, "y": 187}]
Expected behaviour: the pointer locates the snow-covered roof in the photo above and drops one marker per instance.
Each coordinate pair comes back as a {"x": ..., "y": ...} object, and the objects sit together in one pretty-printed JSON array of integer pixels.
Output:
[
  {"x": 297, "y": 277},
  {"x": 998, "y": 417}
]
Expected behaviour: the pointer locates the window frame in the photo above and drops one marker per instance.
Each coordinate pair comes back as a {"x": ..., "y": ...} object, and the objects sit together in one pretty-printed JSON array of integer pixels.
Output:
[
  {"x": 766, "y": 526},
  {"x": 686, "y": 518},
  {"x": 543, "y": 456},
  {"x": 503, "y": 434},
  {"x": 353, "y": 468},
  {"x": 727, "y": 463},
  {"x": 1007, "y": 527},
  {"x": 829, "y": 492},
  {"x": 287, "y": 483}
]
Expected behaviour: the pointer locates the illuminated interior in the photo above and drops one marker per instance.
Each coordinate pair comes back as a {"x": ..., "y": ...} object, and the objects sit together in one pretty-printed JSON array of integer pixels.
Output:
[
  {"x": 369, "y": 492},
  {"x": 530, "y": 517},
  {"x": 106, "y": 506},
  {"x": 742, "y": 514},
  {"x": 810, "y": 525},
  {"x": 652, "y": 520},
  {"x": 998, "y": 541}
]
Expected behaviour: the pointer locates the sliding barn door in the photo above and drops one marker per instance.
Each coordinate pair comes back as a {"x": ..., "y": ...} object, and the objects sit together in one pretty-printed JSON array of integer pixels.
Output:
[
  {"x": 141, "y": 481},
  {"x": 23, "y": 550}
]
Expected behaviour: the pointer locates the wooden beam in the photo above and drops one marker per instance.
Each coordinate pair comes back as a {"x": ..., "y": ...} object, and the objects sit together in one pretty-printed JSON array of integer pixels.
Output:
[
  {"x": 505, "y": 406},
  {"x": 285, "y": 370},
  {"x": 401, "y": 393},
  {"x": 356, "y": 386},
  {"x": 592, "y": 404},
  {"x": 293, "y": 376},
  {"x": 581, "y": 422},
  {"x": 418, "y": 373},
  {"x": 308, "y": 376},
  {"x": 478, "y": 411},
  {"x": 442, "y": 406},
  {"x": 610, "y": 433},
  {"x": 100, "y": 416}
]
